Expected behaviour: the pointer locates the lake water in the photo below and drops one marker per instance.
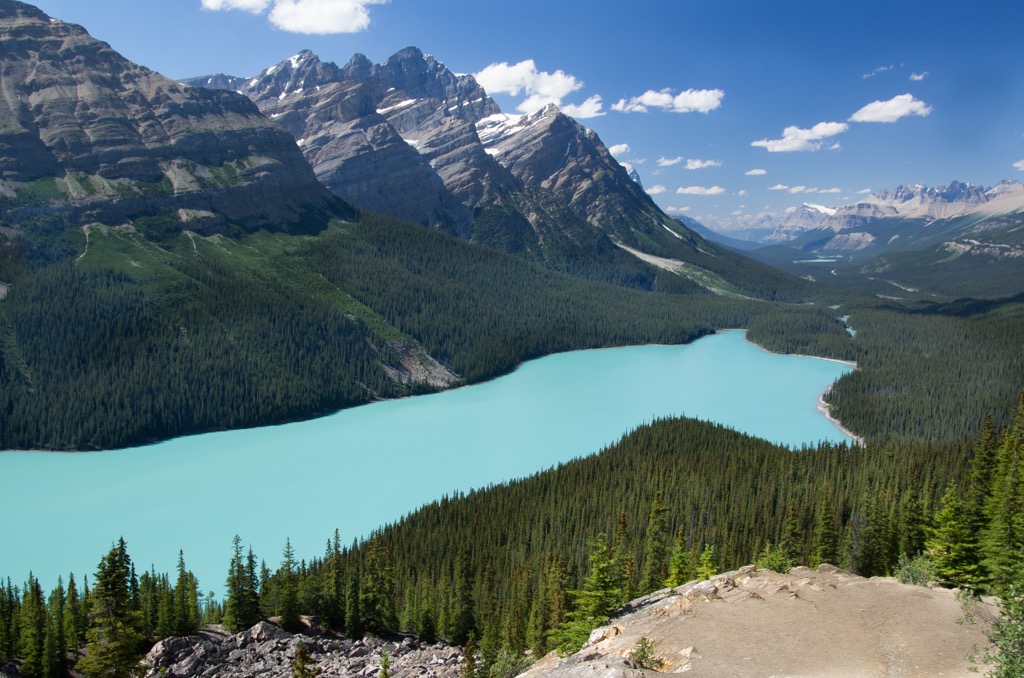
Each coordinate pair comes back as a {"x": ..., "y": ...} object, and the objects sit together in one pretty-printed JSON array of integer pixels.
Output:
[{"x": 361, "y": 468}]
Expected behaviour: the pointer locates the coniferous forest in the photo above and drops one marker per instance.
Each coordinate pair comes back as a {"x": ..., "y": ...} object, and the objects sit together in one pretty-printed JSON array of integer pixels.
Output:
[{"x": 671, "y": 502}]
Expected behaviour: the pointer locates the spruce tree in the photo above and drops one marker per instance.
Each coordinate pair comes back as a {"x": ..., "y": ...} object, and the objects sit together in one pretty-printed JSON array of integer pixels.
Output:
[
  {"x": 463, "y": 621},
  {"x": 952, "y": 546},
  {"x": 55, "y": 646},
  {"x": 242, "y": 605},
  {"x": 32, "y": 625},
  {"x": 75, "y": 617},
  {"x": 353, "y": 616},
  {"x": 595, "y": 602},
  {"x": 655, "y": 547},
  {"x": 114, "y": 641},
  {"x": 289, "y": 599},
  {"x": 826, "y": 536},
  {"x": 377, "y": 589},
  {"x": 186, "y": 600},
  {"x": 681, "y": 568}
]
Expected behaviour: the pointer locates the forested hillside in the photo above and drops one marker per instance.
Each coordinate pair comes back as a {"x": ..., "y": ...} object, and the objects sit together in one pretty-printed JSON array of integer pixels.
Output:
[{"x": 535, "y": 563}]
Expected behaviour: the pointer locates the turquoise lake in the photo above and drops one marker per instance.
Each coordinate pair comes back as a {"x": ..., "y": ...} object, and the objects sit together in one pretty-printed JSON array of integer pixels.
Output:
[{"x": 361, "y": 468}]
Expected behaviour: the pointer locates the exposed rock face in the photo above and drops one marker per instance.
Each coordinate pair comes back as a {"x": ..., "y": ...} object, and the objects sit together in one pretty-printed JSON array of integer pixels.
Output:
[
  {"x": 760, "y": 623},
  {"x": 412, "y": 140},
  {"x": 266, "y": 650},
  {"x": 90, "y": 136}
]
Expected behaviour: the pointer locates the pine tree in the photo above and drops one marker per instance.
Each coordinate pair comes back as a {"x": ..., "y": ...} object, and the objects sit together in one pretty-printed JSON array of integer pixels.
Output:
[
  {"x": 186, "y": 600},
  {"x": 655, "y": 547},
  {"x": 75, "y": 617},
  {"x": 952, "y": 546},
  {"x": 1003, "y": 536},
  {"x": 241, "y": 606},
  {"x": 289, "y": 600},
  {"x": 353, "y": 615},
  {"x": 32, "y": 624},
  {"x": 707, "y": 566},
  {"x": 55, "y": 646},
  {"x": 595, "y": 602},
  {"x": 377, "y": 589},
  {"x": 113, "y": 646},
  {"x": 463, "y": 621},
  {"x": 469, "y": 666},
  {"x": 680, "y": 568},
  {"x": 826, "y": 536},
  {"x": 792, "y": 543}
]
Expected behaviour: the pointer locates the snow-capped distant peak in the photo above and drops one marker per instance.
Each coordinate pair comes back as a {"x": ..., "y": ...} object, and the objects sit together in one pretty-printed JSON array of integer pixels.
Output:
[{"x": 830, "y": 211}]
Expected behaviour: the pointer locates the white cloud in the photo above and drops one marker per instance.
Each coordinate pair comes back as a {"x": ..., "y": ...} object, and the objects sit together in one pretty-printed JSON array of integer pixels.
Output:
[
  {"x": 688, "y": 101},
  {"x": 694, "y": 164},
  {"x": 656, "y": 190},
  {"x": 877, "y": 71},
  {"x": 756, "y": 172},
  {"x": 700, "y": 190},
  {"x": 778, "y": 187},
  {"x": 892, "y": 110},
  {"x": 918, "y": 77},
  {"x": 796, "y": 139},
  {"x": 677, "y": 210},
  {"x": 799, "y": 189},
  {"x": 1019, "y": 165},
  {"x": 619, "y": 149},
  {"x": 541, "y": 88},
  {"x": 867, "y": 191},
  {"x": 741, "y": 193},
  {"x": 313, "y": 17},
  {"x": 628, "y": 166},
  {"x": 668, "y": 162},
  {"x": 254, "y": 6},
  {"x": 591, "y": 108},
  {"x": 834, "y": 189}
]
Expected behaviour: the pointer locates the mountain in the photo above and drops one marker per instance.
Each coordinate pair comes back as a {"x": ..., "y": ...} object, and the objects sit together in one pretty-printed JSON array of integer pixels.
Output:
[
  {"x": 410, "y": 139},
  {"x": 87, "y": 136}
]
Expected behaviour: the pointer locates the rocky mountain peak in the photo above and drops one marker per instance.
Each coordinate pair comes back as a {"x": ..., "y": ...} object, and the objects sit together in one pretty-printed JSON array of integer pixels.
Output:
[
  {"x": 296, "y": 74},
  {"x": 358, "y": 68},
  {"x": 118, "y": 141},
  {"x": 10, "y": 9}
]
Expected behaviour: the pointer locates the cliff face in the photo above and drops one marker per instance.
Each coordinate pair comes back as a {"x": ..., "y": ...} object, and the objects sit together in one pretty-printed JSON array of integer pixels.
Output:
[{"x": 86, "y": 135}]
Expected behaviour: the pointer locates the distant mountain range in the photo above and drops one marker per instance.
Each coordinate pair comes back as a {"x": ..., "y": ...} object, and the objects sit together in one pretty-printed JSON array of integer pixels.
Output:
[
  {"x": 848, "y": 228},
  {"x": 960, "y": 239},
  {"x": 410, "y": 139}
]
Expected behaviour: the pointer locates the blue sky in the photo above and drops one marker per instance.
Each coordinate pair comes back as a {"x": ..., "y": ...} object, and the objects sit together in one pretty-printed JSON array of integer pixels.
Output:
[{"x": 727, "y": 108}]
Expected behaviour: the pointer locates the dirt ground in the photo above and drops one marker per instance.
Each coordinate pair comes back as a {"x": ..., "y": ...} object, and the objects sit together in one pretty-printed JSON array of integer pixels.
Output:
[{"x": 826, "y": 624}]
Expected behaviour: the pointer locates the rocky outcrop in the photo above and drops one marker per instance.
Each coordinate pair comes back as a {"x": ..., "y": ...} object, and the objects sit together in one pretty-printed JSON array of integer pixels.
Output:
[
  {"x": 267, "y": 650},
  {"x": 86, "y": 135},
  {"x": 754, "y": 622}
]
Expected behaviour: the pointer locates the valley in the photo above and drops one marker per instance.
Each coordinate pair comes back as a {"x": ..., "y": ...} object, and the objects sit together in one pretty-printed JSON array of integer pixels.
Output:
[{"x": 244, "y": 312}]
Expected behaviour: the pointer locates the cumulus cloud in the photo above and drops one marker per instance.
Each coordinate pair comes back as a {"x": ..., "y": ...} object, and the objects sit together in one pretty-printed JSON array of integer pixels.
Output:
[
  {"x": 797, "y": 139},
  {"x": 695, "y": 164},
  {"x": 877, "y": 71},
  {"x": 918, "y": 77},
  {"x": 866, "y": 191},
  {"x": 688, "y": 101},
  {"x": 742, "y": 193},
  {"x": 541, "y": 88},
  {"x": 1019, "y": 165},
  {"x": 656, "y": 190},
  {"x": 834, "y": 189},
  {"x": 677, "y": 210},
  {"x": 668, "y": 162},
  {"x": 619, "y": 149},
  {"x": 892, "y": 110},
  {"x": 778, "y": 187},
  {"x": 700, "y": 190},
  {"x": 312, "y": 17},
  {"x": 799, "y": 189},
  {"x": 756, "y": 172},
  {"x": 591, "y": 108},
  {"x": 254, "y": 6}
]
